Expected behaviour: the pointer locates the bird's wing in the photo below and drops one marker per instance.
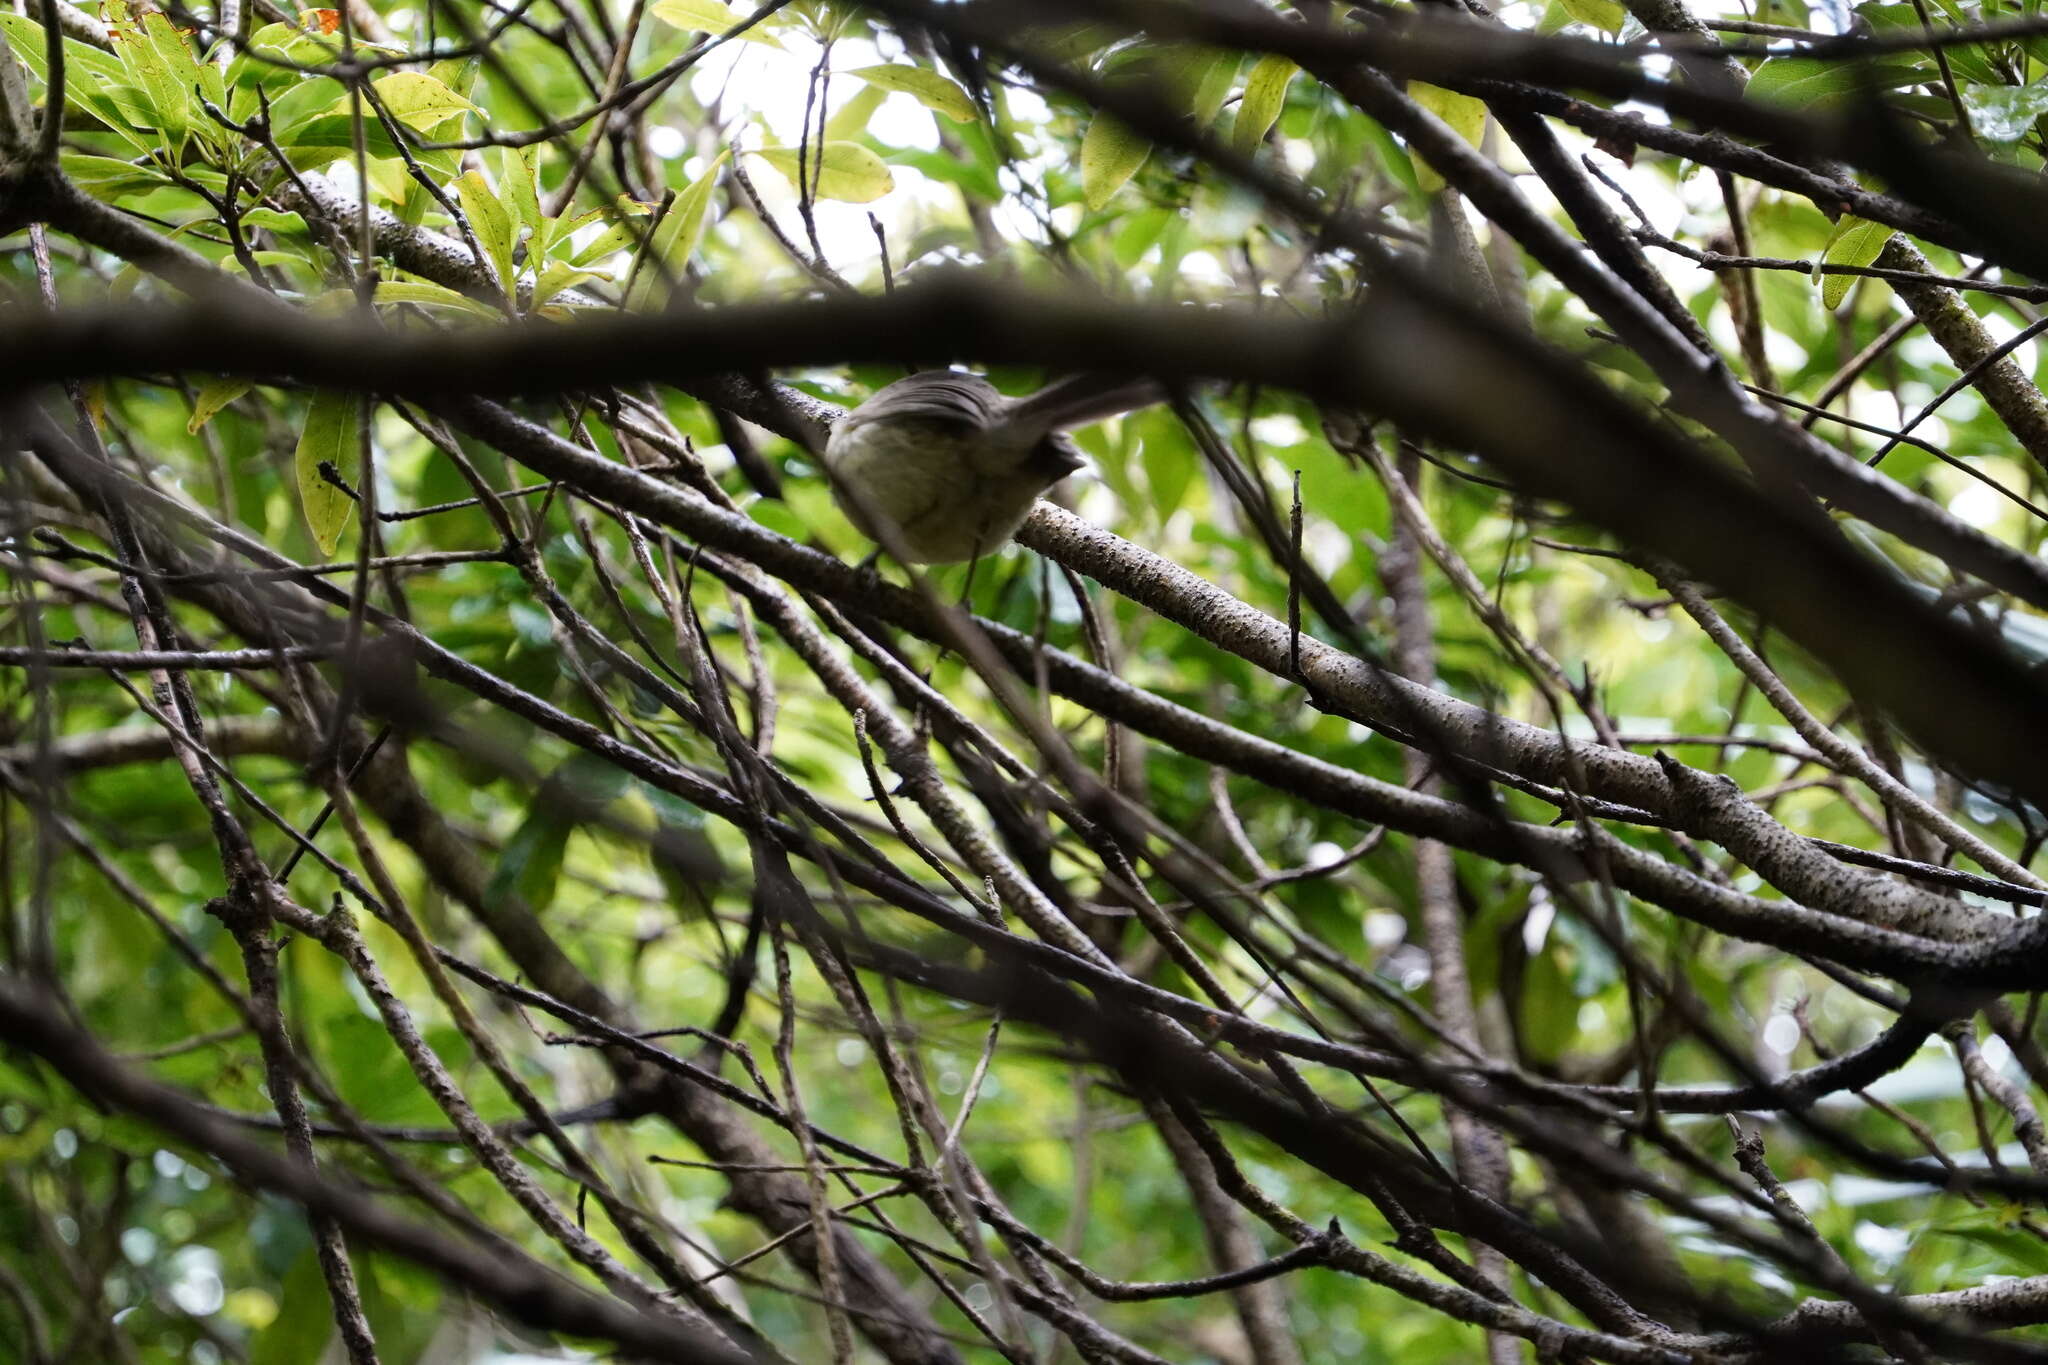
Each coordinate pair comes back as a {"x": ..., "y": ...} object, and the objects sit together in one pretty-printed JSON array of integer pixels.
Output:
[{"x": 944, "y": 395}]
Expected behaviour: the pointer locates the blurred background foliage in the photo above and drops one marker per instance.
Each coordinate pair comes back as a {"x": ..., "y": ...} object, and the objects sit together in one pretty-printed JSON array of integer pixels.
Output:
[{"x": 115, "y": 1246}]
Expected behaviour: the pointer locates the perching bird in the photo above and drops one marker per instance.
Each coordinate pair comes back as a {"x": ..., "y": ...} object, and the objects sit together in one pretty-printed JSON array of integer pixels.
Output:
[{"x": 940, "y": 466}]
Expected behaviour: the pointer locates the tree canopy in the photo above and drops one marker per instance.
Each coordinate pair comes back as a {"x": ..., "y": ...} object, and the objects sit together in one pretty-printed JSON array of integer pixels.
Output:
[{"x": 1498, "y": 819}]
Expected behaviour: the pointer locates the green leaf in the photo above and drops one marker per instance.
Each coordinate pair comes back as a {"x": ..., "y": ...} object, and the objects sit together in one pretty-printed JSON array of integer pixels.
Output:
[
  {"x": 458, "y": 74},
  {"x": 1606, "y": 15},
  {"x": 427, "y": 294},
  {"x": 517, "y": 172},
  {"x": 329, "y": 135},
  {"x": 333, "y": 433},
  {"x": 18, "y": 128},
  {"x": 1265, "y": 95},
  {"x": 1853, "y": 242},
  {"x": 1967, "y": 60},
  {"x": 531, "y": 865},
  {"x": 1110, "y": 155},
  {"x": 159, "y": 75},
  {"x": 1550, "y": 1011},
  {"x": 110, "y": 178},
  {"x": 938, "y": 93},
  {"x": 852, "y": 118},
  {"x": 1811, "y": 83},
  {"x": 708, "y": 16},
  {"x": 2024, "y": 1253},
  {"x": 624, "y": 232},
  {"x": 558, "y": 276},
  {"x": 1198, "y": 79},
  {"x": 98, "y": 82},
  {"x": 844, "y": 171},
  {"x": 971, "y": 176},
  {"x": 258, "y": 64},
  {"x": 303, "y": 1323},
  {"x": 277, "y": 220},
  {"x": 195, "y": 77},
  {"x": 1464, "y": 113},
  {"x": 214, "y": 395},
  {"x": 419, "y": 101},
  {"x": 1394, "y": 158},
  {"x": 675, "y": 239},
  {"x": 491, "y": 221}
]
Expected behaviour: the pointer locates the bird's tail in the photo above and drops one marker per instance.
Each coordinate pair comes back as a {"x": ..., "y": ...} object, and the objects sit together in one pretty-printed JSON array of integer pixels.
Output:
[{"x": 1083, "y": 398}]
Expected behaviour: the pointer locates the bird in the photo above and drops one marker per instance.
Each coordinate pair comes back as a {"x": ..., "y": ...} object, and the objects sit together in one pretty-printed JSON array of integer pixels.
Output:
[{"x": 941, "y": 466}]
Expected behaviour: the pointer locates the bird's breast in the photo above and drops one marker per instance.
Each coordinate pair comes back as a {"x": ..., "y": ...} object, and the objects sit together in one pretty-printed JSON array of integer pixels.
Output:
[{"x": 942, "y": 488}]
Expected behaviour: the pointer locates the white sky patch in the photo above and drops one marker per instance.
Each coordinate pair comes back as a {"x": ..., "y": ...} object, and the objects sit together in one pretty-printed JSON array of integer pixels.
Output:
[
  {"x": 1202, "y": 268},
  {"x": 1384, "y": 929},
  {"x": 1965, "y": 406},
  {"x": 1997, "y": 1052},
  {"x": 196, "y": 1284},
  {"x": 1536, "y": 926},
  {"x": 1279, "y": 429},
  {"x": 1882, "y": 1243},
  {"x": 1781, "y": 1034},
  {"x": 667, "y": 142},
  {"x": 1326, "y": 547},
  {"x": 1784, "y": 353},
  {"x": 1979, "y": 504},
  {"x": 1923, "y": 352}
]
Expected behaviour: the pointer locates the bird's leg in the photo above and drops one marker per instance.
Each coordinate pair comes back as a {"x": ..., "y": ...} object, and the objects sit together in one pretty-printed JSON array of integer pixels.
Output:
[{"x": 868, "y": 573}]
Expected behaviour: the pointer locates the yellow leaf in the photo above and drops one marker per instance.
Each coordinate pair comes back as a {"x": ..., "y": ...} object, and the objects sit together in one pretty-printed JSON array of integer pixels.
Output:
[
  {"x": 1265, "y": 95},
  {"x": 332, "y": 435},
  {"x": 935, "y": 92},
  {"x": 491, "y": 221},
  {"x": 1110, "y": 155},
  {"x": 851, "y": 120},
  {"x": 427, "y": 294},
  {"x": 416, "y": 100},
  {"x": 1465, "y": 114},
  {"x": 708, "y": 16},
  {"x": 1605, "y": 15},
  {"x": 845, "y": 171},
  {"x": 213, "y": 395}
]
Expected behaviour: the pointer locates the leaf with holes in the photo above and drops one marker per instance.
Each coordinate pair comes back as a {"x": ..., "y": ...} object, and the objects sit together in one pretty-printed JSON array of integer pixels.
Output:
[{"x": 156, "y": 75}]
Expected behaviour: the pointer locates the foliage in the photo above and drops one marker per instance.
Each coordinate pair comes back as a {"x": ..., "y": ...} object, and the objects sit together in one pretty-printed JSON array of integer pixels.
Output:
[{"x": 1135, "y": 924}]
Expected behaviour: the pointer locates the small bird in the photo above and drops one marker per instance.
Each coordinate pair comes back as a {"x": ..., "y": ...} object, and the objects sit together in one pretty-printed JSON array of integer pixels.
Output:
[{"x": 941, "y": 467}]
